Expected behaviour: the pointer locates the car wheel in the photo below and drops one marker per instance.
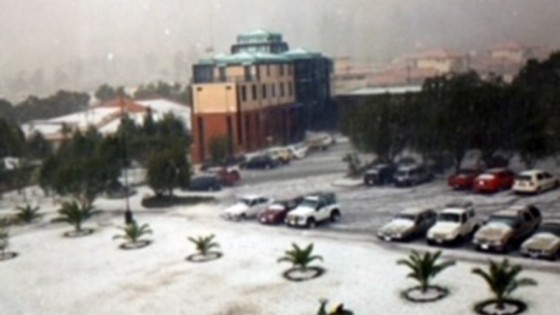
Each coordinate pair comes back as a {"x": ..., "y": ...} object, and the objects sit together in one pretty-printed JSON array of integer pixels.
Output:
[
  {"x": 243, "y": 217},
  {"x": 311, "y": 223},
  {"x": 335, "y": 216}
]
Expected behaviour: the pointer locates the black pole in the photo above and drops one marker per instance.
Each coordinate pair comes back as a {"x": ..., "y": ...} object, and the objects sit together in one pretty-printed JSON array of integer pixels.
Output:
[{"x": 128, "y": 217}]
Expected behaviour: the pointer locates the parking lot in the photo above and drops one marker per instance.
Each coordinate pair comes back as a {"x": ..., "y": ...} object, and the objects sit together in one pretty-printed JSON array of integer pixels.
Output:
[{"x": 365, "y": 209}]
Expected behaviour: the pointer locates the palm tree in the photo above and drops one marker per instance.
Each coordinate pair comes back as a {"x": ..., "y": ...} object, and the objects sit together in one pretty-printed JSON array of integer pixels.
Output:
[
  {"x": 133, "y": 232},
  {"x": 74, "y": 213},
  {"x": 204, "y": 244},
  {"x": 300, "y": 258},
  {"x": 27, "y": 213},
  {"x": 424, "y": 267},
  {"x": 4, "y": 241},
  {"x": 502, "y": 279}
]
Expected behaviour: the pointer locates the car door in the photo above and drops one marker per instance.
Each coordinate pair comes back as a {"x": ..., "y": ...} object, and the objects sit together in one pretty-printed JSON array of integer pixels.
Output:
[
  {"x": 321, "y": 211},
  {"x": 548, "y": 180}
]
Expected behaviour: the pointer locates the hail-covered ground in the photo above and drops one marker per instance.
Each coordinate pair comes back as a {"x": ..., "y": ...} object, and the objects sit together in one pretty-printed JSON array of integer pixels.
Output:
[{"x": 91, "y": 275}]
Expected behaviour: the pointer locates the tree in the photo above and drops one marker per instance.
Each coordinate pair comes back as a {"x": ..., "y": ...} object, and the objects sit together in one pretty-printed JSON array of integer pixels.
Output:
[
  {"x": 204, "y": 244},
  {"x": 38, "y": 147},
  {"x": 75, "y": 213},
  {"x": 167, "y": 170},
  {"x": 27, "y": 213},
  {"x": 424, "y": 267},
  {"x": 134, "y": 232},
  {"x": 502, "y": 278},
  {"x": 300, "y": 258}
]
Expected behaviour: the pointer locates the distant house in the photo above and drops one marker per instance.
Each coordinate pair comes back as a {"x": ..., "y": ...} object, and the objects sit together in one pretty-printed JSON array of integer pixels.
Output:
[
  {"x": 105, "y": 117},
  {"x": 443, "y": 61},
  {"x": 512, "y": 51}
]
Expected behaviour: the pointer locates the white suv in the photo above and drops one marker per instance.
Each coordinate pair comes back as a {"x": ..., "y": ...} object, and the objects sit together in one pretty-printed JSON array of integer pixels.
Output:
[
  {"x": 454, "y": 223},
  {"x": 534, "y": 181},
  {"x": 313, "y": 209}
]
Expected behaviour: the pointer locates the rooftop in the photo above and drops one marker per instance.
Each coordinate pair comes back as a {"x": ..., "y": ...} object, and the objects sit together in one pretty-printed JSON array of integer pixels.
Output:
[{"x": 385, "y": 90}]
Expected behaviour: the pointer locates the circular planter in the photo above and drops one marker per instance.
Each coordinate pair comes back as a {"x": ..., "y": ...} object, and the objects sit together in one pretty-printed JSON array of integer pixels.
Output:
[
  {"x": 434, "y": 293},
  {"x": 490, "y": 307},
  {"x": 199, "y": 258},
  {"x": 80, "y": 233},
  {"x": 135, "y": 245},
  {"x": 299, "y": 274},
  {"x": 8, "y": 255}
]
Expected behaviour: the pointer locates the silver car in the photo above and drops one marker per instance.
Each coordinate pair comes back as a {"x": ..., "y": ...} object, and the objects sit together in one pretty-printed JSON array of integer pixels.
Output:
[
  {"x": 545, "y": 243},
  {"x": 408, "y": 224}
]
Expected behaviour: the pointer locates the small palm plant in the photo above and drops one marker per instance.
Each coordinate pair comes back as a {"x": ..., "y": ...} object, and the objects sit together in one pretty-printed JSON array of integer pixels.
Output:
[
  {"x": 424, "y": 267},
  {"x": 134, "y": 232},
  {"x": 74, "y": 213},
  {"x": 204, "y": 244},
  {"x": 27, "y": 213},
  {"x": 502, "y": 278},
  {"x": 300, "y": 258},
  {"x": 338, "y": 310},
  {"x": 4, "y": 241}
]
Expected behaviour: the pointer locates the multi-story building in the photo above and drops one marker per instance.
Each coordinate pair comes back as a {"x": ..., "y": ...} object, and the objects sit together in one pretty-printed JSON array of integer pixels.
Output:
[
  {"x": 443, "y": 61},
  {"x": 256, "y": 96}
]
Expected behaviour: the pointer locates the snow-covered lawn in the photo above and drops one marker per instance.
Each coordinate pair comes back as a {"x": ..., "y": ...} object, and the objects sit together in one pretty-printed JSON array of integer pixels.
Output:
[{"x": 90, "y": 275}]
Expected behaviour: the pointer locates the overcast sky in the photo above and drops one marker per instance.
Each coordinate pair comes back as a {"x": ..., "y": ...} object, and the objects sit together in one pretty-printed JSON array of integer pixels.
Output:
[{"x": 47, "y": 33}]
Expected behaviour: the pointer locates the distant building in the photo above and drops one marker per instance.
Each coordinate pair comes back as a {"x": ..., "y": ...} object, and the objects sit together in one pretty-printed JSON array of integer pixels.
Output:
[
  {"x": 105, "y": 117},
  {"x": 261, "y": 93},
  {"x": 347, "y": 76},
  {"x": 443, "y": 61},
  {"x": 512, "y": 51}
]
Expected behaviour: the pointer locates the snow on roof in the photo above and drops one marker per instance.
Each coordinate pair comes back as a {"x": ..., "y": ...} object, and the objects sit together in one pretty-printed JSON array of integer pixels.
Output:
[
  {"x": 164, "y": 106},
  {"x": 384, "y": 90},
  {"x": 437, "y": 53},
  {"x": 91, "y": 116}
]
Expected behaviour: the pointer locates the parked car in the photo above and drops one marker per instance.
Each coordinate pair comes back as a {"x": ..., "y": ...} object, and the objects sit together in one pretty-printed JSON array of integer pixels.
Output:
[
  {"x": 231, "y": 161},
  {"x": 247, "y": 207},
  {"x": 463, "y": 178},
  {"x": 318, "y": 141},
  {"x": 408, "y": 224},
  {"x": 534, "y": 182},
  {"x": 456, "y": 222},
  {"x": 298, "y": 150},
  {"x": 412, "y": 175},
  {"x": 545, "y": 242},
  {"x": 507, "y": 228},
  {"x": 276, "y": 212},
  {"x": 494, "y": 180},
  {"x": 261, "y": 162},
  {"x": 205, "y": 183},
  {"x": 314, "y": 209},
  {"x": 380, "y": 174},
  {"x": 281, "y": 154},
  {"x": 229, "y": 176}
]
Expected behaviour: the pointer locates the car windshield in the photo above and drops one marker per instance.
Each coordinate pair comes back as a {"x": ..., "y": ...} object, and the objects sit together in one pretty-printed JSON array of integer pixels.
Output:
[
  {"x": 466, "y": 172},
  {"x": 310, "y": 203},
  {"x": 507, "y": 220},
  {"x": 524, "y": 177},
  {"x": 402, "y": 173},
  {"x": 404, "y": 216},
  {"x": 549, "y": 228},
  {"x": 246, "y": 201},
  {"x": 449, "y": 217}
]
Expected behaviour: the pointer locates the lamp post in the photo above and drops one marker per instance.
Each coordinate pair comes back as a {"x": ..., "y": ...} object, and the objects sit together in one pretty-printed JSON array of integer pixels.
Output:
[{"x": 128, "y": 217}]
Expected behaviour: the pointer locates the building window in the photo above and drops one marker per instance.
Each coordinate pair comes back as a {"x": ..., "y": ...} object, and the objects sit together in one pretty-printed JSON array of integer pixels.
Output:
[
  {"x": 281, "y": 69},
  {"x": 222, "y": 73},
  {"x": 248, "y": 76},
  {"x": 264, "y": 91},
  {"x": 290, "y": 89},
  {"x": 201, "y": 137},
  {"x": 282, "y": 92},
  {"x": 290, "y": 69},
  {"x": 199, "y": 89},
  {"x": 273, "y": 90},
  {"x": 254, "y": 91},
  {"x": 229, "y": 134},
  {"x": 243, "y": 93},
  {"x": 267, "y": 70}
]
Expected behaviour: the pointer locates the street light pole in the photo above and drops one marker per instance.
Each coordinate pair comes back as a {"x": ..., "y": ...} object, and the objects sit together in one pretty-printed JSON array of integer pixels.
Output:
[{"x": 128, "y": 217}]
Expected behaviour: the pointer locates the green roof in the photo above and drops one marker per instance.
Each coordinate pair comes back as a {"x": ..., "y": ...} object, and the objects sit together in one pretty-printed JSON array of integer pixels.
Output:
[
  {"x": 245, "y": 58},
  {"x": 300, "y": 53}
]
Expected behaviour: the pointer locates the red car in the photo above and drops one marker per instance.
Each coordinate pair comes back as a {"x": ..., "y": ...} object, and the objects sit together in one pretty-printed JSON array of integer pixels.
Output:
[
  {"x": 276, "y": 212},
  {"x": 494, "y": 180},
  {"x": 463, "y": 179},
  {"x": 228, "y": 176}
]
